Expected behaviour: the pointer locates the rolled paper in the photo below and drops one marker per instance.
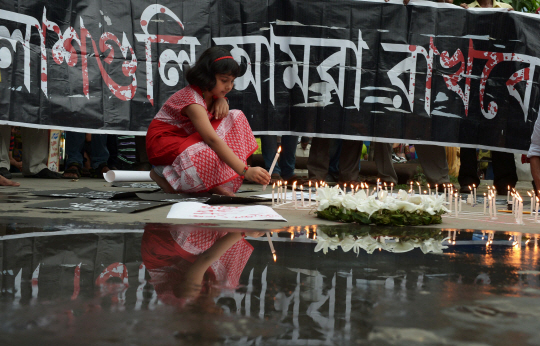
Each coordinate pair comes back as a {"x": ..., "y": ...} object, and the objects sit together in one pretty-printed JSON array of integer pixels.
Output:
[{"x": 115, "y": 176}]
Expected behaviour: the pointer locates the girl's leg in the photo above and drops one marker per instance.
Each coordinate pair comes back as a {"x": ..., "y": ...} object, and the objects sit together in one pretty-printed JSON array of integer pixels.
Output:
[
  {"x": 162, "y": 182},
  {"x": 220, "y": 190}
]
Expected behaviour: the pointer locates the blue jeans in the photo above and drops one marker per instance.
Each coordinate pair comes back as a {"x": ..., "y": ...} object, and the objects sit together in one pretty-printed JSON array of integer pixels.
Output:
[
  {"x": 287, "y": 159},
  {"x": 75, "y": 144}
]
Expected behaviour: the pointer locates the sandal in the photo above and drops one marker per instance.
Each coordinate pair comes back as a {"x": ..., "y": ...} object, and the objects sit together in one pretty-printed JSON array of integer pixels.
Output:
[
  {"x": 99, "y": 171},
  {"x": 74, "y": 171}
]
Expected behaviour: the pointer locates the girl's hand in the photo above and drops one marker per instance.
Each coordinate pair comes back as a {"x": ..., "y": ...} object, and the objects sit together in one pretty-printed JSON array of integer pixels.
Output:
[
  {"x": 220, "y": 108},
  {"x": 258, "y": 175}
]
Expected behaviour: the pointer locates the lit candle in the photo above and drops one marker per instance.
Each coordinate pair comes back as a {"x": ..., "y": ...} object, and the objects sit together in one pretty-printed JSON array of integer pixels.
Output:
[
  {"x": 490, "y": 208},
  {"x": 459, "y": 201},
  {"x": 508, "y": 195},
  {"x": 273, "y": 164},
  {"x": 474, "y": 188},
  {"x": 391, "y": 188},
  {"x": 316, "y": 194},
  {"x": 494, "y": 205},
  {"x": 429, "y": 189},
  {"x": 309, "y": 203},
  {"x": 378, "y": 182},
  {"x": 436, "y": 189},
  {"x": 294, "y": 195},
  {"x": 536, "y": 211},
  {"x": 273, "y": 187},
  {"x": 278, "y": 192},
  {"x": 385, "y": 187},
  {"x": 411, "y": 186},
  {"x": 457, "y": 207},
  {"x": 450, "y": 204},
  {"x": 444, "y": 199},
  {"x": 285, "y": 193},
  {"x": 302, "y": 195},
  {"x": 472, "y": 196},
  {"x": 419, "y": 190},
  {"x": 531, "y": 201},
  {"x": 484, "y": 204}
]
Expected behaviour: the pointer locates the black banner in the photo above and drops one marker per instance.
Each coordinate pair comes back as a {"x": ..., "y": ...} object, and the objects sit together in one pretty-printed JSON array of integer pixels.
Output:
[{"x": 421, "y": 73}]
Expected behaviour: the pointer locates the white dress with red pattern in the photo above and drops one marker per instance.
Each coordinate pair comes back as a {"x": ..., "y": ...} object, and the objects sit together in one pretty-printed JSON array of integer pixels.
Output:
[{"x": 190, "y": 164}]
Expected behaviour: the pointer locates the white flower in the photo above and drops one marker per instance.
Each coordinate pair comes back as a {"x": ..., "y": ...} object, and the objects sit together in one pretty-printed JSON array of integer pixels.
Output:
[
  {"x": 350, "y": 242},
  {"x": 403, "y": 195},
  {"x": 328, "y": 196},
  {"x": 432, "y": 245},
  {"x": 407, "y": 206},
  {"x": 324, "y": 242},
  {"x": 400, "y": 246},
  {"x": 349, "y": 202},
  {"x": 369, "y": 205}
]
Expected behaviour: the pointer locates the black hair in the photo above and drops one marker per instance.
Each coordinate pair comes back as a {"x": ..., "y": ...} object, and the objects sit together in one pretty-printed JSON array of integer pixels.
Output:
[{"x": 203, "y": 73}]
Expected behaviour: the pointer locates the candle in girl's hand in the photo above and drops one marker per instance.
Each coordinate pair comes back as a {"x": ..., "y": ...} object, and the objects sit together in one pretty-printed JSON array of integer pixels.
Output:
[{"x": 273, "y": 164}]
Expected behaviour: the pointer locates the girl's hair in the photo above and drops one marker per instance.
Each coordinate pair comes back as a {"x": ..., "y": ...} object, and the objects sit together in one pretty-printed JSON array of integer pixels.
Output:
[{"x": 203, "y": 74}]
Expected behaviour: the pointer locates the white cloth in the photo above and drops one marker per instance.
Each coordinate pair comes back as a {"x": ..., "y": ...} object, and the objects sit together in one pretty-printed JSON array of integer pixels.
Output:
[{"x": 534, "y": 149}]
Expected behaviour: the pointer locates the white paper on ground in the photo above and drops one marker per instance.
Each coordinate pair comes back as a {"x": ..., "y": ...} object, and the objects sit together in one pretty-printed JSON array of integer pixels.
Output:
[
  {"x": 115, "y": 176},
  {"x": 194, "y": 210}
]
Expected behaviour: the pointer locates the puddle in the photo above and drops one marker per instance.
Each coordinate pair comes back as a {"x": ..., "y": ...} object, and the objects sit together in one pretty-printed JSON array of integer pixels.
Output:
[{"x": 205, "y": 285}]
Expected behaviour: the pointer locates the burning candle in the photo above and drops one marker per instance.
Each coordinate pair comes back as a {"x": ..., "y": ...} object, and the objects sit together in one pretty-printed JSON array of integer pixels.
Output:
[
  {"x": 273, "y": 188},
  {"x": 316, "y": 194},
  {"x": 490, "y": 208},
  {"x": 436, "y": 189},
  {"x": 309, "y": 203},
  {"x": 459, "y": 202},
  {"x": 536, "y": 210},
  {"x": 302, "y": 195},
  {"x": 294, "y": 195},
  {"x": 474, "y": 189},
  {"x": 419, "y": 190},
  {"x": 429, "y": 189},
  {"x": 450, "y": 204},
  {"x": 385, "y": 187},
  {"x": 484, "y": 204},
  {"x": 457, "y": 207},
  {"x": 391, "y": 188},
  {"x": 285, "y": 192},
  {"x": 411, "y": 187},
  {"x": 378, "y": 182},
  {"x": 273, "y": 164},
  {"x": 532, "y": 203},
  {"x": 508, "y": 195}
]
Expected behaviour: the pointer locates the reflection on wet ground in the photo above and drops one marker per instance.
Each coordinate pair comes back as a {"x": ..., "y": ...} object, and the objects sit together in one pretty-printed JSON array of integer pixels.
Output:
[{"x": 164, "y": 284}]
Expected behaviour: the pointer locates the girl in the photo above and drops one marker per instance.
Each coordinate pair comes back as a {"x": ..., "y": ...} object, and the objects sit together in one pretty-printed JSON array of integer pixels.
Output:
[{"x": 195, "y": 143}]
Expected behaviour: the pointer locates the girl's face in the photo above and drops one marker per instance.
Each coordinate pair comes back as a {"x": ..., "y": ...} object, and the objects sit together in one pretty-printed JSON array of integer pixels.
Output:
[{"x": 224, "y": 84}]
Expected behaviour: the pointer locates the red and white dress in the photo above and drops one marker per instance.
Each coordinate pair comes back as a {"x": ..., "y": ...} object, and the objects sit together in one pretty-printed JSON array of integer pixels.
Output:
[{"x": 190, "y": 164}]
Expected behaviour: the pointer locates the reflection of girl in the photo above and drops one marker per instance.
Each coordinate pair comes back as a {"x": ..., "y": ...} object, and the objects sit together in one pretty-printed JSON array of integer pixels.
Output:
[{"x": 183, "y": 264}]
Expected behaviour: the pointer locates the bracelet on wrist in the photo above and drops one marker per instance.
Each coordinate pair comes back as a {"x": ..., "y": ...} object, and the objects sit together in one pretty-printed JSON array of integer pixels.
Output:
[{"x": 244, "y": 171}]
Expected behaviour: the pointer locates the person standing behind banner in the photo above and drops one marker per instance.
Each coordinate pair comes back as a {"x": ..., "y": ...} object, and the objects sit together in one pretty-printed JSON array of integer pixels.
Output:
[
  {"x": 504, "y": 167},
  {"x": 99, "y": 155},
  {"x": 35, "y": 152},
  {"x": 195, "y": 143}
]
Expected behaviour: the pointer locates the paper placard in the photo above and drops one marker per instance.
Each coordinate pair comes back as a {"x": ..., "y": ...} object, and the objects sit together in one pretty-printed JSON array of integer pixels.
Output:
[
  {"x": 199, "y": 211},
  {"x": 115, "y": 176}
]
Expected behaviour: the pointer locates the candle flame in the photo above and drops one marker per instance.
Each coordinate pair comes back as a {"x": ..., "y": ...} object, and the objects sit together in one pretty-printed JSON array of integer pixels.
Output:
[
  {"x": 292, "y": 236},
  {"x": 529, "y": 194},
  {"x": 417, "y": 183},
  {"x": 470, "y": 188},
  {"x": 310, "y": 183},
  {"x": 279, "y": 149},
  {"x": 473, "y": 185},
  {"x": 274, "y": 255},
  {"x": 274, "y": 185}
]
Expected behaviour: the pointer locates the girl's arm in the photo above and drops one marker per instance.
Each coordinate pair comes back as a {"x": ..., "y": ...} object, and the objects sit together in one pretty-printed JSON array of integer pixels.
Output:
[{"x": 197, "y": 115}]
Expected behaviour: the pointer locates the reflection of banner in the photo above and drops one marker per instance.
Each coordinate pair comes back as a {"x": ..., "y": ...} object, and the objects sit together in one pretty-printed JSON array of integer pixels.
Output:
[{"x": 425, "y": 72}]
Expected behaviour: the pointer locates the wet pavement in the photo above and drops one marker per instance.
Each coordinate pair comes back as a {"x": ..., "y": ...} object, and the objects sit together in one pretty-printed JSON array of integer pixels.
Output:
[{"x": 68, "y": 282}]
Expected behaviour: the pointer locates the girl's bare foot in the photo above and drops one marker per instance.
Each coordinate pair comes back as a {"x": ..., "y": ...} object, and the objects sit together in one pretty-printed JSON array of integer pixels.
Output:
[
  {"x": 7, "y": 182},
  {"x": 162, "y": 182},
  {"x": 220, "y": 190}
]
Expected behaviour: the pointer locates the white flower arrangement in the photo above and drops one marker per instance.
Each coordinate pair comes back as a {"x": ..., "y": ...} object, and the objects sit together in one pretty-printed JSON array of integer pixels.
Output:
[{"x": 403, "y": 209}]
